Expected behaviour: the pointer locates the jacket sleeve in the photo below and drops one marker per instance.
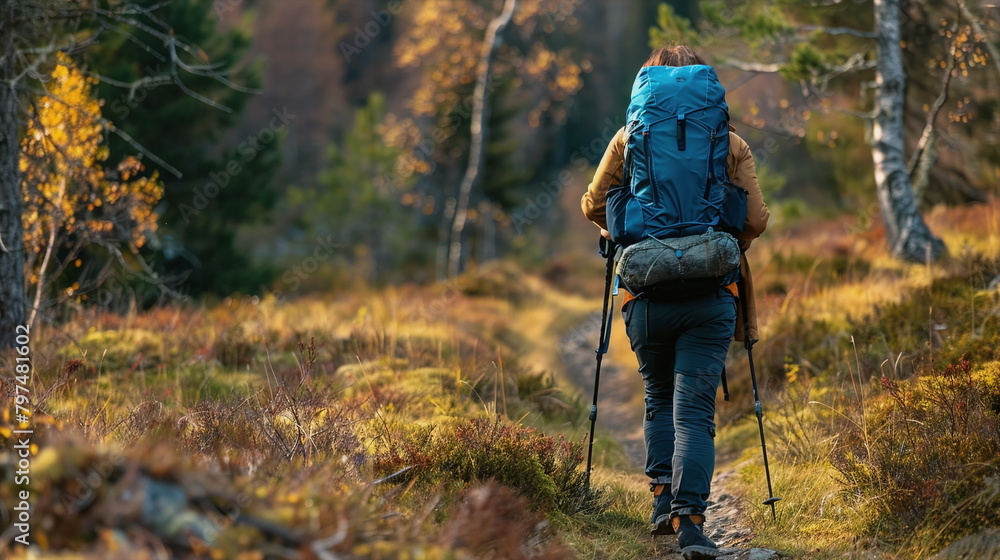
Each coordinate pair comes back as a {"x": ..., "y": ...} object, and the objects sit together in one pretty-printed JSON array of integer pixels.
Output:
[
  {"x": 609, "y": 173},
  {"x": 743, "y": 172}
]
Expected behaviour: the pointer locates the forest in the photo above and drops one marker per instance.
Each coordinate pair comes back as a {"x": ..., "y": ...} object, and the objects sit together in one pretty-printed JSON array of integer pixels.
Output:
[{"x": 309, "y": 279}]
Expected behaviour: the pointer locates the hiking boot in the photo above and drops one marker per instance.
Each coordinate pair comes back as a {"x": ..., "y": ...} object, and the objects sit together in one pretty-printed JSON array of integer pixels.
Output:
[
  {"x": 661, "y": 510},
  {"x": 691, "y": 539}
]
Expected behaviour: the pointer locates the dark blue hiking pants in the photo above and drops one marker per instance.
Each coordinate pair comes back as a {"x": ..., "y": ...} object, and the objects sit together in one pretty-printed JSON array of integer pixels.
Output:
[{"x": 681, "y": 347}]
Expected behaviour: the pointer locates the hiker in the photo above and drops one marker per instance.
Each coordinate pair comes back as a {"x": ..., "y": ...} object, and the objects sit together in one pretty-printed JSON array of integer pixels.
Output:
[{"x": 681, "y": 342}]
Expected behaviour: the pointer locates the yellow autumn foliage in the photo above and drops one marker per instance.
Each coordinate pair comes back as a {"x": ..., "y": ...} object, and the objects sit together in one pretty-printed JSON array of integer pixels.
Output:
[
  {"x": 71, "y": 198},
  {"x": 444, "y": 38}
]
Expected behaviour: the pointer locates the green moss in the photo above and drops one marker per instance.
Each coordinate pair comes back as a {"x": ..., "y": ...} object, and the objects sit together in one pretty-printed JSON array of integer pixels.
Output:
[{"x": 117, "y": 350}]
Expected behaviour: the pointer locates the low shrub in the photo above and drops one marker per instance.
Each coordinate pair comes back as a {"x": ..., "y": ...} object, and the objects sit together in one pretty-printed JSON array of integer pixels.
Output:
[
  {"x": 923, "y": 454},
  {"x": 543, "y": 469}
]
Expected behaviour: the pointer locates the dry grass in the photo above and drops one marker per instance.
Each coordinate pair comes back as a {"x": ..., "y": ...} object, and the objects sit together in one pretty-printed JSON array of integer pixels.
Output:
[
  {"x": 839, "y": 315},
  {"x": 302, "y": 413},
  {"x": 366, "y": 424}
]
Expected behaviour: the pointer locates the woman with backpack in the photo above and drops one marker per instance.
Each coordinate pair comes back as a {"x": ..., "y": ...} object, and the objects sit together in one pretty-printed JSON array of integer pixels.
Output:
[{"x": 681, "y": 337}]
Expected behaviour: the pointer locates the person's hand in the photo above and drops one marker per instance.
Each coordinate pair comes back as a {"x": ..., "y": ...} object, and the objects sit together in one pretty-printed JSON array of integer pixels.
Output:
[{"x": 606, "y": 234}]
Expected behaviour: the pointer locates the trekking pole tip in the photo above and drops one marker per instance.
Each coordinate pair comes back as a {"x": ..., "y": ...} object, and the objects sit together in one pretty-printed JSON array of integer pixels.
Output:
[{"x": 770, "y": 502}]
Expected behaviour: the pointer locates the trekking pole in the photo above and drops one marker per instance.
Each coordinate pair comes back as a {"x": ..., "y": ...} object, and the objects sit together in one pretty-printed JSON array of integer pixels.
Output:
[
  {"x": 608, "y": 249},
  {"x": 748, "y": 343}
]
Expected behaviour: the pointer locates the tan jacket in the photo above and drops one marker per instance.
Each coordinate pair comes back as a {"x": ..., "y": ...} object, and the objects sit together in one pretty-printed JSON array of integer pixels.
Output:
[{"x": 741, "y": 172}]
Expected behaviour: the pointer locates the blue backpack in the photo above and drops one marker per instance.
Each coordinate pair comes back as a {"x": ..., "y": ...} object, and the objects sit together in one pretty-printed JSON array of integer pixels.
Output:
[{"x": 675, "y": 177}]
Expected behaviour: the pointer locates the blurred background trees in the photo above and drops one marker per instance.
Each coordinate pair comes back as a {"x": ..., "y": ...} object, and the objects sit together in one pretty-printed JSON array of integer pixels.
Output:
[
  {"x": 88, "y": 82},
  {"x": 187, "y": 128},
  {"x": 376, "y": 104}
]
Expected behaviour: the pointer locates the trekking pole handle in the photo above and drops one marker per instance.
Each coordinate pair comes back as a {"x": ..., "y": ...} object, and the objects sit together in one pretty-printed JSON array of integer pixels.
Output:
[{"x": 607, "y": 247}]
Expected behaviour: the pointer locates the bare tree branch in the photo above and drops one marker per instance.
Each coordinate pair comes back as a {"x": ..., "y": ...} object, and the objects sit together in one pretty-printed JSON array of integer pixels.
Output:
[
  {"x": 208, "y": 71},
  {"x": 49, "y": 247},
  {"x": 135, "y": 144},
  {"x": 742, "y": 81},
  {"x": 759, "y": 67},
  {"x": 855, "y": 63},
  {"x": 136, "y": 41},
  {"x": 174, "y": 44},
  {"x": 146, "y": 82},
  {"x": 71, "y": 47},
  {"x": 122, "y": 17},
  {"x": 839, "y": 31},
  {"x": 861, "y": 115},
  {"x": 147, "y": 275},
  {"x": 48, "y": 13},
  {"x": 926, "y": 136},
  {"x": 110, "y": 126}
]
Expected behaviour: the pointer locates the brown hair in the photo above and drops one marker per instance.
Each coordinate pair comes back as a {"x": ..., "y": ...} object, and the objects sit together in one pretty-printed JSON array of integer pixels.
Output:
[{"x": 679, "y": 55}]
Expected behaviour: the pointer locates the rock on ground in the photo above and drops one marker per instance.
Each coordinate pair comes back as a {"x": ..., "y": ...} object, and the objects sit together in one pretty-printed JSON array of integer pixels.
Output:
[{"x": 984, "y": 545}]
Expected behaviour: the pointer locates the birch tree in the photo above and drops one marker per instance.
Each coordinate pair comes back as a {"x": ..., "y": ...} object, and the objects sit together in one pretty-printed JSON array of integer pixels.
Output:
[
  {"x": 72, "y": 200},
  {"x": 872, "y": 60},
  {"x": 480, "y": 132},
  {"x": 906, "y": 232},
  {"x": 466, "y": 50}
]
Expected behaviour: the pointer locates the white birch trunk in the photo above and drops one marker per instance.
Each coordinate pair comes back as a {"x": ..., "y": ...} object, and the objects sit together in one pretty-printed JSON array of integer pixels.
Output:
[
  {"x": 480, "y": 133},
  {"x": 906, "y": 232}
]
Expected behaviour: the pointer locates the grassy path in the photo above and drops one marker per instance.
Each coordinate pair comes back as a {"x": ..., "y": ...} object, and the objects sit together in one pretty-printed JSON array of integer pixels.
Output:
[{"x": 620, "y": 420}]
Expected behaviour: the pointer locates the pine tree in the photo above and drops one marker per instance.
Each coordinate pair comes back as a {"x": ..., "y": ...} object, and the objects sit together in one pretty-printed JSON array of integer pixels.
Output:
[
  {"x": 360, "y": 205},
  {"x": 203, "y": 207}
]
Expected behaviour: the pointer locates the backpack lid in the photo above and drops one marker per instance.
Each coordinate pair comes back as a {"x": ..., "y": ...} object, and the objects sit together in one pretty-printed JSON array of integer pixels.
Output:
[{"x": 663, "y": 92}]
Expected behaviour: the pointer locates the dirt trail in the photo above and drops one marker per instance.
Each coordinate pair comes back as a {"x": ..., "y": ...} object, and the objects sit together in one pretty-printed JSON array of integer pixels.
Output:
[{"x": 620, "y": 416}]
